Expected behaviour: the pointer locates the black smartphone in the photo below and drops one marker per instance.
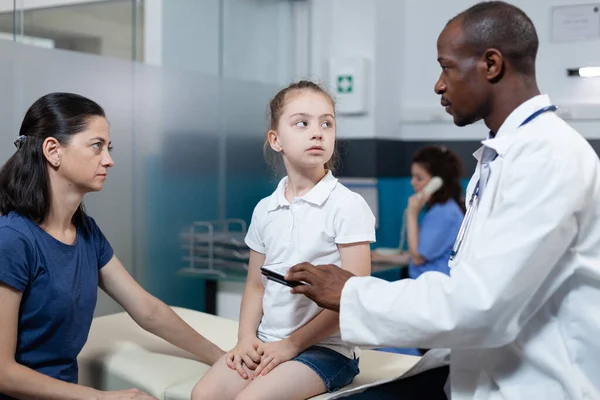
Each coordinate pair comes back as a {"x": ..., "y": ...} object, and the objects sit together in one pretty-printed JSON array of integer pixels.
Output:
[{"x": 275, "y": 277}]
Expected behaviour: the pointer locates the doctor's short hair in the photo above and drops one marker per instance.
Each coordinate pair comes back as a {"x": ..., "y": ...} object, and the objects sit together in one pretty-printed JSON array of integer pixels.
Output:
[
  {"x": 442, "y": 162},
  {"x": 502, "y": 26},
  {"x": 276, "y": 107}
]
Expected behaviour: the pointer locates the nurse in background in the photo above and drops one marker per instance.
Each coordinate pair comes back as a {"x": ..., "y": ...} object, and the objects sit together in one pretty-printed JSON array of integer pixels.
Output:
[{"x": 430, "y": 242}]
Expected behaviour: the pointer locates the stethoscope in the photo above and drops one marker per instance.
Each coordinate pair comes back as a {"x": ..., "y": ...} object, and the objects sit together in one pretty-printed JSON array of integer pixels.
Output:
[{"x": 475, "y": 196}]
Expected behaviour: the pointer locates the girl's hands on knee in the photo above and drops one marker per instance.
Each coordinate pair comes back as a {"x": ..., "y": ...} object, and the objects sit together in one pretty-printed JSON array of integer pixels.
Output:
[
  {"x": 245, "y": 353},
  {"x": 274, "y": 353}
]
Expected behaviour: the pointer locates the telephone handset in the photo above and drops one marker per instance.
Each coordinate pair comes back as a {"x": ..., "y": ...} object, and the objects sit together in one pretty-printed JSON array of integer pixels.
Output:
[{"x": 434, "y": 184}]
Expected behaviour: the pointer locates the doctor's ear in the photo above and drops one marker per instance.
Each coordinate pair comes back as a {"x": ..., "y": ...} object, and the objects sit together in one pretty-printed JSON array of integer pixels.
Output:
[
  {"x": 494, "y": 65},
  {"x": 274, "y": 141}
]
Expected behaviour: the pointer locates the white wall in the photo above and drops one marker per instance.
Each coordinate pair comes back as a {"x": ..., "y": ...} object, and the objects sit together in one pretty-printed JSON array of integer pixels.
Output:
[
  {"x": 553, "y": 58},
  {"x": 578, "y": 97},
  {"x": 345, "y": 28},
  {"x": 390, "y": 66},
  {"x": 368, "y": 29},
  {"x": 400, "y": 38}
]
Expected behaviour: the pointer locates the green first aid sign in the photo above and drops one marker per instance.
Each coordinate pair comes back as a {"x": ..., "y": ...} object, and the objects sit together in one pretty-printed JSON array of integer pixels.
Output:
[{"x": 344, "y": 83}]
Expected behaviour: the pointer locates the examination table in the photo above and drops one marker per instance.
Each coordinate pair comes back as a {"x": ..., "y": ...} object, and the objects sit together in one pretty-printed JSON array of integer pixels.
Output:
[{"x": 120, "y": 355}]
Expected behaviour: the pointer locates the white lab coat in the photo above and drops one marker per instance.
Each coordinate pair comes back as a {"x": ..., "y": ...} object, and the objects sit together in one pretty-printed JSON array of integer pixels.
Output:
[{"x": 520, "y": 310}]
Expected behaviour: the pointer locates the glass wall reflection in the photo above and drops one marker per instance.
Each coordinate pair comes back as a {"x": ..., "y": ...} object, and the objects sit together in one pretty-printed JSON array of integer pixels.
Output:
[{"x": 108, "y": 28}]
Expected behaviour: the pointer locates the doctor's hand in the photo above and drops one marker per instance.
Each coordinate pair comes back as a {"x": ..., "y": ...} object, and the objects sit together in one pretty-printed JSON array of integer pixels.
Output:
[
  {"x": 416, "y": 202},
  {"x": 274, "y": 353},
  {"x": 325, "y": 283},
  {"x": 245, "y": 351}
]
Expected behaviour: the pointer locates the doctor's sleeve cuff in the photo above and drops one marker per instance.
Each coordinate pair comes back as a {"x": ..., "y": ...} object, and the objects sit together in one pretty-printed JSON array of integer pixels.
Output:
[
  {"x": 348, "y": 303},
  {"x": 353, "y": 327}
]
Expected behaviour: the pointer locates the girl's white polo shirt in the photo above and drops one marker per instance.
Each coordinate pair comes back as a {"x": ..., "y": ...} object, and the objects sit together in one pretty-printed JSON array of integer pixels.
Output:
[{"x": 307, "y": 230}]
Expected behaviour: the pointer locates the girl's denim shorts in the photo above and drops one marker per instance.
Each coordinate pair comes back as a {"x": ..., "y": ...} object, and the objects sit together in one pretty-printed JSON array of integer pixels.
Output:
[{"x": 334, "y": 369}]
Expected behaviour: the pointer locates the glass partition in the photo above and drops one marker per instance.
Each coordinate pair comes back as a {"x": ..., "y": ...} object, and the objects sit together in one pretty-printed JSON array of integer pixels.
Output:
[
  {"x": 108, "y": 28},
  {"x": 187, "y": 141},
  {"x": 251, "y": 40}
]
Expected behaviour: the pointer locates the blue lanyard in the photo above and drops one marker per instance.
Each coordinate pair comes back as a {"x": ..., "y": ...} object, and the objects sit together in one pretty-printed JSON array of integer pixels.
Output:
[
  {"x": 550, "y": 108},
  {"x": 538, "y": 113}
]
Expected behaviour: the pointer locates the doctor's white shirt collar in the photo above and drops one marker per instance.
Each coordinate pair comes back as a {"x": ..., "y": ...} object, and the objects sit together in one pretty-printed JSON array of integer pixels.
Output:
[
  {"x": 316, "y": 196},
  {"x": 506, "y": 134}
]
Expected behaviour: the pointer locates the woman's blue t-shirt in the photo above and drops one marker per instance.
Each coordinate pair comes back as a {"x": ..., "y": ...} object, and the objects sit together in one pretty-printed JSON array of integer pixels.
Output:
[
  {"x": 437, "y": 233},
  {"x": 59, "y": 285}
]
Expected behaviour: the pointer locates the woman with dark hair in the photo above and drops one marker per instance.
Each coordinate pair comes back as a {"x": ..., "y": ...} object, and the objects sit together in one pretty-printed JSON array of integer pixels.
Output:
[
  {"x": 53, "y": 256},
  {"x": 430, "y": 242}
]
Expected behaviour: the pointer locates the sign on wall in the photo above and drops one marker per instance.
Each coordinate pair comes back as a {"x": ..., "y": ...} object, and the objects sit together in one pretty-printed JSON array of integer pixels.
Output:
[
  {"x": 348, "y": 77},
  {"x": 580, "y": 22}
]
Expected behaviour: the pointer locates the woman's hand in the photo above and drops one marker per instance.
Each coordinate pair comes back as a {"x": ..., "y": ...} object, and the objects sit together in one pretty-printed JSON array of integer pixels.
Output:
[
  {"x": 245, "y": 351},
  {"x": 416, "y": 202},
  {"x": 274, "y": 353}
]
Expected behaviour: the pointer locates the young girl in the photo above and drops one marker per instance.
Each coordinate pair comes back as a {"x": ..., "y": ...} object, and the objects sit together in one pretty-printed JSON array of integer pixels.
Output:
[{"x": 288, "y": 347}]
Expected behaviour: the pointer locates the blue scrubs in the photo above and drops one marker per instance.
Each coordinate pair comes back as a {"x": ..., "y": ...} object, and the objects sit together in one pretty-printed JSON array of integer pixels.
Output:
[{"x": 437, "y": 233}]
